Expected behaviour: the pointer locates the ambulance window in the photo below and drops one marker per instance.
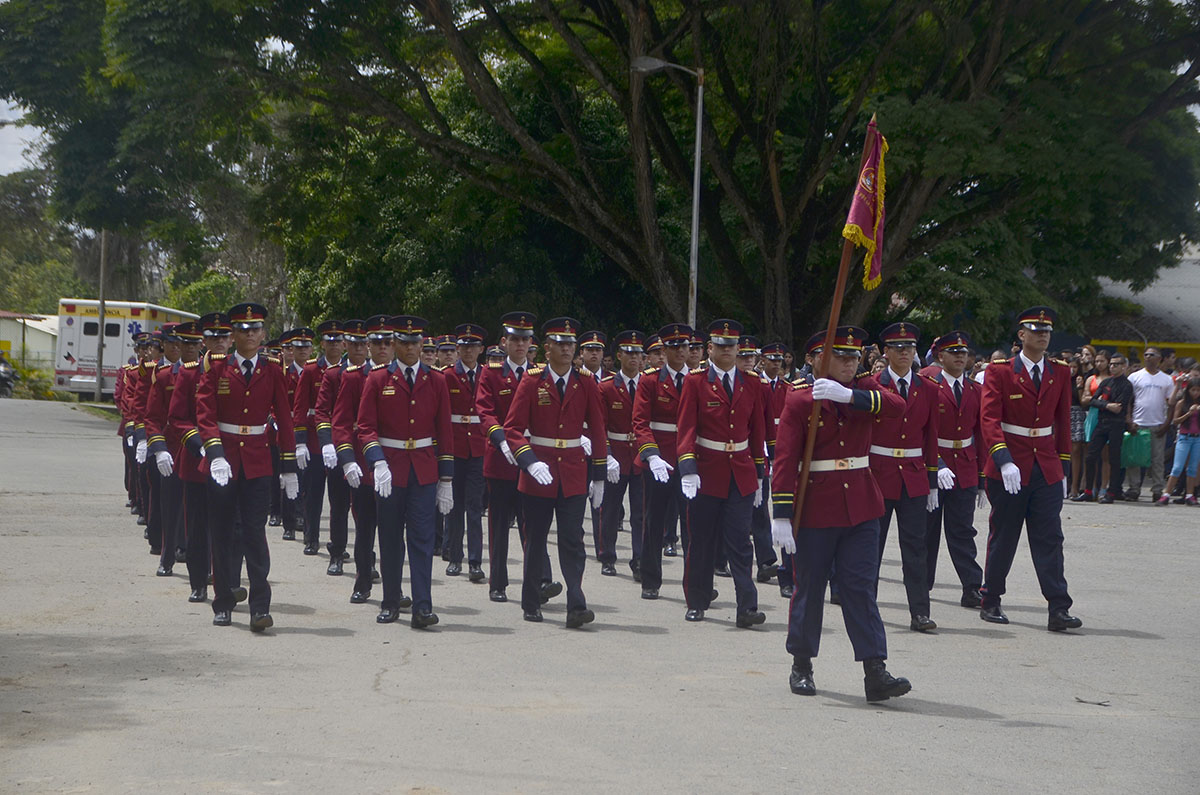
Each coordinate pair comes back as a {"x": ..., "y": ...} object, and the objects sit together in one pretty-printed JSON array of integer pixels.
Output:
[
  {"x": 90, "y": 328},
  {"x": 112, "y": 329}
]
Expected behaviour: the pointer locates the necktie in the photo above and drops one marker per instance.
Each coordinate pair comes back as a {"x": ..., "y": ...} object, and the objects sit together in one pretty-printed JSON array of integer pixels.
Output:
[
  {"x": 562, "y": 388},
  {"x": 520, "y": 372},
  {"x": 773, "y": 383},
  {"x": 728, "y": 387},
  {"x": 408, "y": 376},
  {"x": 679, "y": 382},
  {"x": 471, "y": 379},
  {"x": 248, "y": 369},
  {"x": 958, "y": 392},
  {"x": 632, "y": 390},
  {"x": 904, "y": 388},
  {"x": 1037, "y": 378}
]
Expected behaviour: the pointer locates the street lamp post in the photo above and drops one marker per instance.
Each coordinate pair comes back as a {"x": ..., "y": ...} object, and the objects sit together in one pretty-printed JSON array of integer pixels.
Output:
[{"x": 646, "y": 65}]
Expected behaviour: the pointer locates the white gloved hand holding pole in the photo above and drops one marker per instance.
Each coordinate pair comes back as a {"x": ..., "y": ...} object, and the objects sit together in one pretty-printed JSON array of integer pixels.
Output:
[
  {"x": 781, "y": 534},
  {"x": 690, "y": 485},
  {"x": 291, "y": 485},
  {"x": 445, "y": 496},
  {"x": 165, "y": 463},
  {"x": 541, "y": 473},
  {"x": 659, "y": 468},
  {"x": 1011, "y": 476},
  {"x": 945, "y": 478},
  {"x": 220, "y": 471},
  {"x": 353, "y": 473},
  {"x": 828, "y": 389},
  {"x": 329, "y": 456},
  {"x": 383, "y": 479}
]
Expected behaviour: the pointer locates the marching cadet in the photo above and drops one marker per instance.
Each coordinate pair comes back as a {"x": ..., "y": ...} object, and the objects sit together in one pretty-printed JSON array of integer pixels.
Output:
[
  {"x": 303, "y": 418},
  {"x": 404, "y": 428},
  {"x": 275, "y": 349},
  {"x": 778, "y": 389},
  {"x": 493, "y": 398},
  {"x": 1026, "y": 427},
  {"x": 551, "y": 405},
  {"x": 749, "y": 355},
  {"x": 462, "y": 380},
  {"x": 589, "y": 355},
  {"x": 695, "y": 352},
  {"x": 904, "y": 456},
  {"x": 721, "y": 444},
  {"x": 624, "y": 471},
  {"x": 960, "y": 467},
  {"x": 350, "y": 455},
  {"x": 233, "y": 400},
  {"x": 354, "y": 343},
  {"x": 654, "y": 352},
  {"x": 447, "y": 351},
  {"x": 531, "y": 355},
  {"x": 121, "y": 393},
  {"x": 655, "y": 429},
  {"x": 297, "y": 347},
  {"x": 147, "y": 474},
  {"x": 428, "y": 352},
  {"x": 495, "y": 355},
  {"x": 169, "y": 489},
  {"x": 133, "y": 396},
  {"x": 839, "y": 517}
]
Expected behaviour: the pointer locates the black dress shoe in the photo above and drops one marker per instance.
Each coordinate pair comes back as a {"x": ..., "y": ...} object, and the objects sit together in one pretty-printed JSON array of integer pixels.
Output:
[
  {"x": 181, "y": 556},
  {"x": 750, "y": 618},
  {"x": 608, "y": 570},
  {"x": 534, "y": 616},
  {"x": 360, "y": 597},
  {"x": 222, "y": 618},
  {"x": 453, "y": 570},
  {"x": 198, "y": 595},
  {"x": 345, "y": 556},
  {"x": 787, "y": 591},
  {"x": 311, "y": 549},
  {"x": 274, "y": 521},
  {"x": 993, "y": 615},
  {"x": 549, "y": 590},
  {"x": 835, "y": 598},
  {"x": 669, "y": 551},
  {"x": 475, "y": 573},
  {"x": 879, "y": 684},
  {"x": 289, "y": 535},
  {"x": 423, "y": 618},
  {"x": 375, "y": 574},
  {"x": 404, "y": 602},
  {"x": 722, "y": 570},
  {"x": 922, "y": 624},
  {"x": 156, "y": 551},
  {"x": 971, "y": 598},
  {"x": 693, "y": 614},
  {"x": 577, "y": 618},
  {"x": 498, "y": 595},
  {"x": 767, "y": 572},
  {"x": 260, "y": 621},
  {"x": 335, "y": 567},
  {"x": 1107, "y": 499},
  {"x": 163, "y": 571},
  {"x": 141, "y": 522},
  {"x": 239, "y": 595},
  {"x": 1061, "y": 620},
  {"x": 437, "y": 551},
  {"x": 387, "y": 615},
  {"x": 801, "y": 679},
  {"x": 649, "y": 593},
  {"x": 712, "y": 597}
]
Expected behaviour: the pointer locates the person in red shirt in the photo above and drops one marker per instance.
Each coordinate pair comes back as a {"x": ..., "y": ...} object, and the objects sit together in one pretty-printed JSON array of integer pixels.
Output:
[
  {"x": 960, "y": 465},
  {"x": 543, "y": 428},
  {"x": 234, "y": 399},
  {"x": 404, "y": 429},
  {"x": 618, "y": 393},
  {"x": 462, "y": 379},
  {"x": 170, "y": 490},
  {"x": 308, "y": 445},
  {"x": 839, "y": 518},
  {"x": 298, "y": 346},
  {"x": 722, "y": 457},
  {"x": 778, "y": 388}
]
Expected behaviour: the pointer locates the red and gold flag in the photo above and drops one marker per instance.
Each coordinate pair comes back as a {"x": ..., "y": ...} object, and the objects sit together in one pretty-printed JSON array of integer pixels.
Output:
[{"x": 864, "y": 224}]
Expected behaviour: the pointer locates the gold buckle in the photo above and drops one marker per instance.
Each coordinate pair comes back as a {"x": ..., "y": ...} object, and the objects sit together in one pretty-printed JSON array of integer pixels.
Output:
[
  {"x": 243, "y": 430},
  {"x": 410, "y": 444},
  {"x": 730, "y": 447},
  {"x": 958, "y": 444},
  {"x": 466, "y": 419},
  {"x": 1033, "y": 432},
  {"x": 841, "y": 463},
  {"x": 898, "y": 452},
  {"x": 560, "y": 444}
]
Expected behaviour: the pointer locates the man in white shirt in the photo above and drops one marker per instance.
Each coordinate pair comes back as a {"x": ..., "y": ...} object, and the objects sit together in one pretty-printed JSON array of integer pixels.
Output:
[{"x": 1151, "y": 391}]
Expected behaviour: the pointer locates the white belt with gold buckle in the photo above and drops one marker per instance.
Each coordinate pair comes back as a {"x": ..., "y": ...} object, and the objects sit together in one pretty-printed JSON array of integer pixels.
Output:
[
  {"x": 558, "y": 444},
  {"x": 839, "y": 464},
  {"x": 1021, "y": 430},
  {"x": 406, "y": 444},
  {"x": 620, "y": 437},
  {"x": 241, "y": 430},
  {"x": 464, "y": 419},
  {"x": 898, "y": 452},
  {"x": 664, "y": 427},
  {"x": 956, "y": 444},
  {"x": 721, "y": 447}
]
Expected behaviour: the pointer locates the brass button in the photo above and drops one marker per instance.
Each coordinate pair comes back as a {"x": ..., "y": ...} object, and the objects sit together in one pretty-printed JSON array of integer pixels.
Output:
[
  {"x": 245, "y": 411},
  {"x": 241, "y": 444},
  {"x": 845, "y": 485},
  {"x": 903, "y": 436}
]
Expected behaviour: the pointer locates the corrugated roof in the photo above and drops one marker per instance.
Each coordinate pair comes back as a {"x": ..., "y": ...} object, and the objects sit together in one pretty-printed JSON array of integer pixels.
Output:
[{"x": 1171, "y": 307}]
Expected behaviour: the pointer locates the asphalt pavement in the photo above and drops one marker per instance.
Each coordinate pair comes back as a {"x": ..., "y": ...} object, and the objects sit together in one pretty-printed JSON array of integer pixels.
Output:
[{"x": 110, "y": 681}]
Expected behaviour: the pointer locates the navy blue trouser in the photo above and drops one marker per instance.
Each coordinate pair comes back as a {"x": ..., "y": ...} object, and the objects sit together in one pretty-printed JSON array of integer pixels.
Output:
[
  {"x": 719, "y": 523},
  {"x": 910, "y": 530},
  {"x": 237, "y": 526},
  {"x": 1037, "y": 506},
  {"x": 407, "y": 514},
  {"x": 505, "y": 504},
  {"x": 760, "y": 528},
  {"x": 853, "y": 553},
  {"x": 661, "y": 500},
  {"x": 956, "y": 509},
  {"x": 539, "y": 513},
  {"x": 610, "y": 517},
  {"x": 195, "y": 526},
  {"x": 467, "y": 514},
  {"x": 362, "y": 505}
]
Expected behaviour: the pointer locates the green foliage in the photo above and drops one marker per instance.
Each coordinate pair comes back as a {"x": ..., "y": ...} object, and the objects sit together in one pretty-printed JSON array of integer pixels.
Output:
[
  {"x": 212, "y": 292},
  {"x": 36, "y": 260}
]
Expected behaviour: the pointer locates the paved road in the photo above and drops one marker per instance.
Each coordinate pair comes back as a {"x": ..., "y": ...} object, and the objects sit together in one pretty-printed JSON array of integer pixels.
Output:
[{"x": 111, "y": 682}]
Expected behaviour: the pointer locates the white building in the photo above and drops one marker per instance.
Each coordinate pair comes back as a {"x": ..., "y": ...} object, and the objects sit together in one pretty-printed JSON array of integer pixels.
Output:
[{"x": 29, "y": 340}]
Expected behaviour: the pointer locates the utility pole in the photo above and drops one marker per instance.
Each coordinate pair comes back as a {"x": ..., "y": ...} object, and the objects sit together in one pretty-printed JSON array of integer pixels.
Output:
[{"x": 100, "y": 342}]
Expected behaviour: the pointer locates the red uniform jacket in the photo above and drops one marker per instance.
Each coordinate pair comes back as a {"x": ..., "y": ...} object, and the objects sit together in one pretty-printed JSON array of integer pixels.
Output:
[
  {"x": 841, "y": 496},
  {"x": 1009, "y": 398},
  {"x": 776, "y": 399},
  {"x": 304, "y": 404},
  {"x": 158, "y": 433},
  {"x": 119, "y": 397},
  {"x": 618, "y": 421},
  {"x": 345, "y": 418},
  {"x": 656, "y": 415},
  {"x": 915, "y": 428},
  {"x": 389, "y": 414},
  {"x": 331, "y": 383},
  {"x": 469, "y": 440},
  {"x": 706, "y": 412},
  {"x": 553, "y": 424},
  {"x": 493, "y": 397},
  {"x": 958, "y": 424},
  {"x": 139, "y": 398},
  {"x": 223, "y": 396},
  {"x": 181, "y": 423}
]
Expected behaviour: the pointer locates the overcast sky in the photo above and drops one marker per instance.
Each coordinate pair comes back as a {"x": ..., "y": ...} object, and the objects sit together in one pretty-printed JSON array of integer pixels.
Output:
[{"x": 14, "y": 140}]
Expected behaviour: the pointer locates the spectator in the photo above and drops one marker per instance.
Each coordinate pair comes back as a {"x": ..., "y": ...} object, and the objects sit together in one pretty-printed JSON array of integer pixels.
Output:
[
  {"x": 1151, "y": 390},
  {"x": 1078, "y": 416},
  {"x": 1114, "y": 402},
  {"x": 1087, "y": 358},
  {"x": 1168, "y": 361},
  {"x": 1187, "y": 448},
  {"x": 1090, "y": 384}
]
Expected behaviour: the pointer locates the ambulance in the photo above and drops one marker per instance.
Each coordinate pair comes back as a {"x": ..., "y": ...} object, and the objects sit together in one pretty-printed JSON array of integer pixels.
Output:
[{"x": 79, "y": 333}]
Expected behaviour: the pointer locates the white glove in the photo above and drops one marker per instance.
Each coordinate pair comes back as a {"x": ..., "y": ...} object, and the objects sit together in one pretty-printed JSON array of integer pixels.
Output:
[
  {"x": 614, "y": 470},
  {"x": 980, "y": 498},
  {"x": 1064, "y": 488},
  {"x": 129, "y": 440},
  {"x": 931, "y": 502},
  {"x": 596, "y": 490},
  {"x": 1011, "y": 476},
  {"x": 291, "y": 485},
  {"x": 508, "y": 456},
  {"x": 220, "y": 471},
  {"x": 203, "y": 452},
  {"x": 945, "y": 478},
  {"x": 445, "y": 496},
  {"x": 828, "y": 389},
  {"x": 302, "y": 456},
  {"x": 329, "y": 455},
  {"x": 383, "y": 479},
  {"x": 690, "y": 485},
  {"x": 541, "y": 473},
  {"x": 758, "y": 495},
  {"x": 587, "y": 445},
  {"x": 660, "y": 469},
  {"x": 781, "y": 534},
  {"x": 353, "y": 473},
  {"x": 139, "y": 453},
  {"x": 165, "y": 463}
]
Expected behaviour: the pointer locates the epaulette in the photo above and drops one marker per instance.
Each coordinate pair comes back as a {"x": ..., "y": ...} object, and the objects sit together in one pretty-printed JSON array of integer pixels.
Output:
[
  {"x": 1062, "y": 362},
  {"x": 496, "y": 365},
  {"x": 165, "y": 366},
  {"x": 349, "y": 368},
  {"x": 191, "y": 365},
  {"x": 539, "y": 369},
  {"x": 379, "y": 366},
  {"x": 1000, "y": 361},
  {"x": 274, "y": 359},
  {"x": 606, "y": 378},
  {"x": 217, "y": 357},
  {"x": 863, "y": 375},
  {"x": 802, "y": 385},
  {"x": 650, "y": 371}
]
